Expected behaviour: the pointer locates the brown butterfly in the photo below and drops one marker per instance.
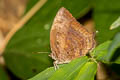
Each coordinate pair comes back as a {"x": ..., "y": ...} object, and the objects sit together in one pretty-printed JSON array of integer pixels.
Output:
[{"x": 68, "y": 38}]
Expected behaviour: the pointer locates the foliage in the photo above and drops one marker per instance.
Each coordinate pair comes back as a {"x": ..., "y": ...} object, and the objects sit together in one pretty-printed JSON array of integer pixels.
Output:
[
  {"x": 105, "y": 52},
  {"x": 115, "y": 24},
  {"x": 21, "y": 54},
  {"x": 78, "y": 69}
]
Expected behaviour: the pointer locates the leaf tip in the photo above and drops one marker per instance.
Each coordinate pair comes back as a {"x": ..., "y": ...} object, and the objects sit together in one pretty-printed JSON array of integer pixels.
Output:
[{"x": 111, "y": 28}]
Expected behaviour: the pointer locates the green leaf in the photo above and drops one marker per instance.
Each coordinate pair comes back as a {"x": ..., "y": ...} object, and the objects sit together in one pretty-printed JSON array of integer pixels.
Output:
[
  {"x": 69, "y": 71},
  {"x": 21, "y": 55},
  {"x": 78, "y": 69},
  {"x": 87, "y": 72},
  {"x": 105, "y": 52},
  {"x": 3, "y": 75},
  {"x": 100, "y": 51},
  {"x": 115, "y": 24},
  {"x": 113, "y": 47},
  {"x": 27, "y": 65},
  {"x": 104, "y": 15},
  {"x": 44, "y": 75}
]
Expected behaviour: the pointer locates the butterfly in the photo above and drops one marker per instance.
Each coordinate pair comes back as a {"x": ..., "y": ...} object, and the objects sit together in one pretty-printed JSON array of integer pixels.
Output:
[{"x": 68, "y": 38}]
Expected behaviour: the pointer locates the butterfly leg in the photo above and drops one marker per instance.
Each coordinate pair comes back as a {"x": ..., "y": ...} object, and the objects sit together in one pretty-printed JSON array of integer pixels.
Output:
[{"x": 55, "y": 65}]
